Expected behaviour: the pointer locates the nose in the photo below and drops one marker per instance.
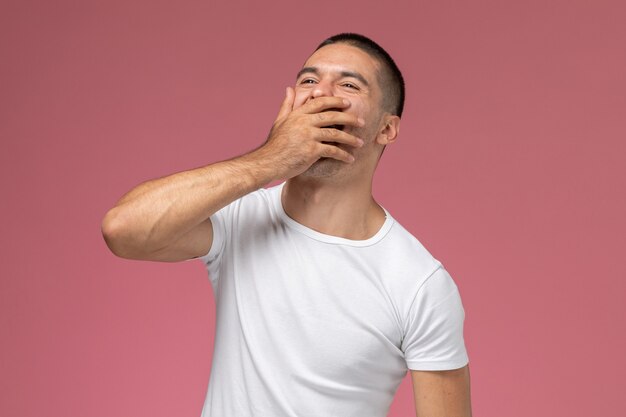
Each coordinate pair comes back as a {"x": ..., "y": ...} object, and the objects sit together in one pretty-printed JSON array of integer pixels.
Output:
[{"x": 322, "y": 89}]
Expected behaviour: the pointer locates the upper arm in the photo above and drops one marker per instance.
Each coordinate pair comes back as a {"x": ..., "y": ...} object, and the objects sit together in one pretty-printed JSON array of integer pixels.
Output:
[
  {"x": 442, "y": 393},
  {"x": 193, "y": 244}
]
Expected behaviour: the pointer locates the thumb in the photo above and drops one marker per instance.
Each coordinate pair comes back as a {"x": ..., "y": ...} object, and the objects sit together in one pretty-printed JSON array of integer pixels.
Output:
[{"x": 287, "y": 105}]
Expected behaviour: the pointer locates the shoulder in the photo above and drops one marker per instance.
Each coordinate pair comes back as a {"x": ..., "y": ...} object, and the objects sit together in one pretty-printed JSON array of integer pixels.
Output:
[
  {"x": 405, "y": 250},
  {"x": 408, "y": 268}
]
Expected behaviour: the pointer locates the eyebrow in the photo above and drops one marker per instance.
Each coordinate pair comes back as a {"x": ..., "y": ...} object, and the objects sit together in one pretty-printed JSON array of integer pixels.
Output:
[{"x": 352, "y": 74}]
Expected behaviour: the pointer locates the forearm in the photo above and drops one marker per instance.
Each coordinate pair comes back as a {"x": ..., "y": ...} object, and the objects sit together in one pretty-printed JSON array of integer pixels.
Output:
[{"x": 157, "y": 213}]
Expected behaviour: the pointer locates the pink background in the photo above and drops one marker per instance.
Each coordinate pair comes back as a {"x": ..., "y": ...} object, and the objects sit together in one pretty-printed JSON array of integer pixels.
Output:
[{"x": 509, "y": 168}]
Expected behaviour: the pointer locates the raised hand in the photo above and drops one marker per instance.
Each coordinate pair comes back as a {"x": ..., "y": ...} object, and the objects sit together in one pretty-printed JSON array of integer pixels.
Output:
[{"x": 301, "y": 136}]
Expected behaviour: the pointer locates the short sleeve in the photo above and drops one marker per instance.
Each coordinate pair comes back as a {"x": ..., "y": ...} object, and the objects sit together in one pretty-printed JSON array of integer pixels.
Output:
[
  {"x": 213, "y": 257},
  {"x": 433, "y": 330}
]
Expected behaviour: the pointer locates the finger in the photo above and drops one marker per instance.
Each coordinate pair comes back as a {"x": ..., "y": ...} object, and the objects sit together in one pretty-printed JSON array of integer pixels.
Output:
[
  {"x": 331, "y": 151},
  {"x": 338, "y": 136},
  {"x": 287, "y": 105},
  {"x": 321, "y": 104},
  {"x": 330, "y": 118}
]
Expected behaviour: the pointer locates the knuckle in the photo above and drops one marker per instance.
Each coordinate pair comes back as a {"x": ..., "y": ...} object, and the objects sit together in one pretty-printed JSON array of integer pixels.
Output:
[
  {"x": 345, "y": 137},
  {"x": 327, "y": 133},
  {"x": 337, "y": 153},
  {"x": 320, "y": 117},
  {"x": 329, "y": 152}
]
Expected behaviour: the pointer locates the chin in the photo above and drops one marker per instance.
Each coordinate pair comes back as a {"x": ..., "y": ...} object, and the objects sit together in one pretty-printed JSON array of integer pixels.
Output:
[{"x": 324, "y": 168}]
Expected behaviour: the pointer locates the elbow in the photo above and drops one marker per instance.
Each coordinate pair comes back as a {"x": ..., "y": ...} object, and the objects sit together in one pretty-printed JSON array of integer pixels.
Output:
[{"x": 115, "y": 233}]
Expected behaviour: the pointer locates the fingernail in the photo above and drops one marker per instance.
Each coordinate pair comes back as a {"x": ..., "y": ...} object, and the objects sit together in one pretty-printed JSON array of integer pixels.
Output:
[
  {"x": 346, "y": 102},
  {"x": 361, "y": 121},
  {"x": 360, "y": 141}
]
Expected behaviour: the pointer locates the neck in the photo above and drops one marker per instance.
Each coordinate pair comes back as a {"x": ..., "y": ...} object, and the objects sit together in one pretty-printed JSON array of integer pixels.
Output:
[{"x": 332, "y": 207}]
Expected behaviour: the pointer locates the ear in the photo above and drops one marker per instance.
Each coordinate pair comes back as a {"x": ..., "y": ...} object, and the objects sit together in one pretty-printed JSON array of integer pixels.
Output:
[{"x": 389, "y": 130}]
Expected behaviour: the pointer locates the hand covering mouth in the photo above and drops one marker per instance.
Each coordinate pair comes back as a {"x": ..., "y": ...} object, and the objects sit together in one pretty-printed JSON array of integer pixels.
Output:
[{"x": 338, "y": 127}]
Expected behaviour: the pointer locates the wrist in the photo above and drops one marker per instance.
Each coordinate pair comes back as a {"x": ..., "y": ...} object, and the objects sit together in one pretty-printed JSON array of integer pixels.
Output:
[{"x": 254, "y": 170}]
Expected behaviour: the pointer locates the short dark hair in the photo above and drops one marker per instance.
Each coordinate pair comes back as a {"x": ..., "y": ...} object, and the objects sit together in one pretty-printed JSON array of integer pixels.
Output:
[{"x": 390, "y": 77}]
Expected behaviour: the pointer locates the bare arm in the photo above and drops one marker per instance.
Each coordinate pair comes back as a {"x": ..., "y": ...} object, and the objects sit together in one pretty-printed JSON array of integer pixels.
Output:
[
  {"x": 442, "y": 393},
  {"x": 167, "y": 219}
]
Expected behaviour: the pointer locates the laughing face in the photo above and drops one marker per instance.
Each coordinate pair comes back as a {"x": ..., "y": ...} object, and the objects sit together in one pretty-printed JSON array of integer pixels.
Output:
[{"x": 342, "y": 70}]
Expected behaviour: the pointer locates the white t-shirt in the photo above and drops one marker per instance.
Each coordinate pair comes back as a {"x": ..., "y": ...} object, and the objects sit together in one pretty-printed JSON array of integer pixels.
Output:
[{"x": 312, "y": 325}]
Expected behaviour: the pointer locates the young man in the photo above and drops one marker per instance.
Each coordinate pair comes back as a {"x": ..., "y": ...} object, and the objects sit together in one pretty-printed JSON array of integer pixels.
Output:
[{"x": 323, "y": 300}]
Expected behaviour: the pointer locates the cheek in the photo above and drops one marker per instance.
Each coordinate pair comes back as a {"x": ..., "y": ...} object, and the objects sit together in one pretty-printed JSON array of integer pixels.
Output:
[{"x": 358, "y": 108}]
